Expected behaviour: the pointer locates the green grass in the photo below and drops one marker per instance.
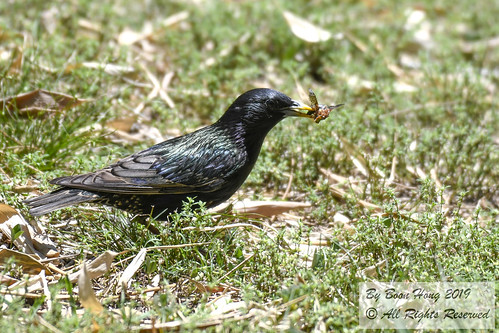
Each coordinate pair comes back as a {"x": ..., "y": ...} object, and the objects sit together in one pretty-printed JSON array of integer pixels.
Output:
[{"x": 417, "y": 137}]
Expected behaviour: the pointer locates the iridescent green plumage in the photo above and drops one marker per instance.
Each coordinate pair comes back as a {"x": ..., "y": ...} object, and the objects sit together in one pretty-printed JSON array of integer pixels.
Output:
[{"x": 209, "y": 164}]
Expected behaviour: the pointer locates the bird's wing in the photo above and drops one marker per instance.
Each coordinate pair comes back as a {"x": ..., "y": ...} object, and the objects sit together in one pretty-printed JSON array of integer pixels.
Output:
[{"x": 199, "y": 170}]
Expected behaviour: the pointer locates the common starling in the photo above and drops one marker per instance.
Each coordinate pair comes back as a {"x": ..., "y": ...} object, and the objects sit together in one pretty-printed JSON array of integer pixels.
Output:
[{"x": 209, "y": 164}]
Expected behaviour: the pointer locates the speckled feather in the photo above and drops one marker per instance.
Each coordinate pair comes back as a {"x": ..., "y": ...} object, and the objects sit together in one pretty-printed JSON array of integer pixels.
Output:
[{"x": 209, "y": 164}]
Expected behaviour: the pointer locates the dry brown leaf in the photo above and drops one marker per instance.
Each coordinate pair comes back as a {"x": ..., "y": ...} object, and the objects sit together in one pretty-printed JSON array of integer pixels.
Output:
[
  {"x": 417, "y": 171},
  {"x": 86, "y": 293},
  {"x": 124, "y": 124},
  {"x": 31, "y": 241},
  {"x": 140, "y": 133},
  {"x": 97, "y": 267},
  {"x": 31, "y": 285},
  {"x": 160, "y": 88},
  {"x": 89, "y": 25},
  {"x": 256, "y": 209},
  {"x": 305, "y": 30},
  {"x": 6, "y": 280},
  {"x": 30, "y": 186},
  {"x": 46, "y": 291},
  {"x": 17, "y": 61},
  {"x": 359, "y": 85},
  {"x": 164, "y": 86},
  {"x": 372, "y": 271},
  {"x": 402, "y": 87},
  {"x": 133, "y": 267},
  {"x": 23, "y": 242},
  {"x": 101, "y": 265},
  {"x": 6, "y": 212},
  {"x": 28, "y": 287},
  {"x": 476, "y": 46},
  {"x": 39, "y": 101},
  {"x": 129, "y": 36},
  {"x": 201, "y": 287},
  {"x": 417, "y": 22},
  {"x": 49, "y": 18},
  {"x": 340, "y": 194},
  {"x": 358, "y": 159},
  {"x": 152, "y": 94},
  {"x": 357, "y": 42},
  {"x": 369, "y": 3},
  {"x": 43, "y": 244},
  {"x": 29, "y": 263},
  {"x": 47, "y": 325},
  {"x": 390, "y": 65},
  {"x": 224, "y": 304},
  {"x": 337, "y": 180},
  {"x": 175, "y": 18},
  {"x": 154, "y": 287},
  {"x": 110, "y": 69},
  {"x": 340, "y": 218}
]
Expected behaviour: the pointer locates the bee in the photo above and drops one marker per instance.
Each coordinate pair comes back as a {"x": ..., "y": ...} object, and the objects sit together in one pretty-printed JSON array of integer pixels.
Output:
[{"x": 319, "y": 111}]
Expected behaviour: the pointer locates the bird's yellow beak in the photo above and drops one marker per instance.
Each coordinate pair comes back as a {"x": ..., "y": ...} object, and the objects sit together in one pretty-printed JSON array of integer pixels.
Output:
[{"x": 298, "y": 109}]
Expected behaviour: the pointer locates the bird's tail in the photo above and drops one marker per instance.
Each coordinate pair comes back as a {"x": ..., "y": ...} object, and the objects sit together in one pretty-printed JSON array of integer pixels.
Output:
[{"x": 58, "y": 199}]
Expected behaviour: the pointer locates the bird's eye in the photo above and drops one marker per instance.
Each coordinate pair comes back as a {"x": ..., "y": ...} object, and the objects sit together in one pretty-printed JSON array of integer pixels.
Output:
[{"x": 272, "y": 104}]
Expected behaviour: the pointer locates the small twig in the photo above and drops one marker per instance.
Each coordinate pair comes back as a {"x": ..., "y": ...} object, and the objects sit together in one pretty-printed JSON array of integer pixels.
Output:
[
  {"x": 288, "y": 186},
  {"x": 286, "y": 305},
  {"x": 69, "y": 256},
  {"x": 237, "y": 267},
  {"x": 167, "y": 247},
  {"x": 344, "y": 298},
  {"x": 29, "y": 295},
  {"x": 27, "y": 165},
  {"x": 134, "y": 293},
  {"x": 221, "y": 227},
  {"x": 47, "y": 325}
]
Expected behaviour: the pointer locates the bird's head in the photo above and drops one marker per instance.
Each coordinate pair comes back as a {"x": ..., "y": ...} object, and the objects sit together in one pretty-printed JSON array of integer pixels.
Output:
[{"x": 263, "y": 108}]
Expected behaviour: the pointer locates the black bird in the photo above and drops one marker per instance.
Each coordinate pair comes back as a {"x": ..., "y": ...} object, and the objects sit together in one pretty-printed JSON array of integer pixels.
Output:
[{"x": 209, "y": 164}]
